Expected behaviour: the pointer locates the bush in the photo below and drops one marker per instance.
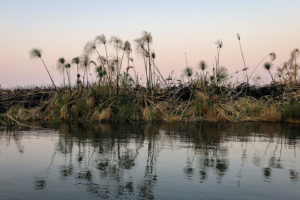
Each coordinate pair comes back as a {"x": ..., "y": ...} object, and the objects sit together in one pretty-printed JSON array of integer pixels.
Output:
[{"x": 291, "y": 110}]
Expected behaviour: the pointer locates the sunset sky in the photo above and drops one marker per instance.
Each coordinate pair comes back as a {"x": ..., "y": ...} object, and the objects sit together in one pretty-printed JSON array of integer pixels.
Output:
[{"x": 62, "y": 28}]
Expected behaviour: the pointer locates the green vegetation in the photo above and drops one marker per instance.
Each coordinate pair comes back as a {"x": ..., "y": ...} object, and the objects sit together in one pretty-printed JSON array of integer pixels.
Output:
[{"x": 115, "y": 95}]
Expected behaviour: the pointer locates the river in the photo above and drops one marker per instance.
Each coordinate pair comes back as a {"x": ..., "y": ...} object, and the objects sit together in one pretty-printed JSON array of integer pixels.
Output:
[{"x": 151, "y": 161}]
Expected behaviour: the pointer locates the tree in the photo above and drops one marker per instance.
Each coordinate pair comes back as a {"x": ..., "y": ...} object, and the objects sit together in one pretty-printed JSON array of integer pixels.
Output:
[{"x": 35, "y": 54}]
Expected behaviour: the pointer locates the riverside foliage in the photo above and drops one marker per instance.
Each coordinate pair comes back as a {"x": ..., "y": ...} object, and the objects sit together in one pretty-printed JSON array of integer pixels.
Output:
[{"x": 115, "y": 95}]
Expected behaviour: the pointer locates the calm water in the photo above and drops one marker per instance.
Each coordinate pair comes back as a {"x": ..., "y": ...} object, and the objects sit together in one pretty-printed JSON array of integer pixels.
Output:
[{"x": 157, "y": 161}]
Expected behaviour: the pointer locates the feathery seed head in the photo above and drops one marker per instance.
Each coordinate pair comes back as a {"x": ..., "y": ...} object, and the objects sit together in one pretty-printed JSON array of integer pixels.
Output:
[
  {"x": 153, "y": 55},
  {"x": 273, "y": 56},
  {"x": 89, "y": 48},
  {"x": 100, "y": 39},
  {"x": 219, "y": 43},
  {"x": 268, "y": 65},
  {"x": 188, "y": 71},
  {"x": 35, "y": 53},
  {"x": 76, "y": 60},
  {"x": 202, "y": 65}
]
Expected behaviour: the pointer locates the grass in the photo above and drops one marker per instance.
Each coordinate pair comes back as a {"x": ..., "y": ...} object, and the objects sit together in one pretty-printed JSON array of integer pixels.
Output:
[
  {"x": 117, "y": 96},
  {"x": 291, "y": 111},
  {"x": 101, "y": 103}
]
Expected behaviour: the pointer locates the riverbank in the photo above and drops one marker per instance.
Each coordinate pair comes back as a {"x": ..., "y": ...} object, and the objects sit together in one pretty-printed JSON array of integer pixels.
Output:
[{"x": 271, "y": 103}]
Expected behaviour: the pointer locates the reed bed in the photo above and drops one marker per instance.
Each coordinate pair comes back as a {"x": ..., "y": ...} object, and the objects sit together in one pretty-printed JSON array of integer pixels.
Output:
[
  {"x": 118, "y": 96},
  {"x": 173, "y": 104}
]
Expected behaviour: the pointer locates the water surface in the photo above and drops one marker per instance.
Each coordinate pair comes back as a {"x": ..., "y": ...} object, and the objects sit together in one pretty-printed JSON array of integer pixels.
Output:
[{"x": 151, "y": 161}]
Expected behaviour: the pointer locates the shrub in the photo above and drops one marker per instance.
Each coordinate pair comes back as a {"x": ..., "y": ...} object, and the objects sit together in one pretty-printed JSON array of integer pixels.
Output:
[{"x": 291, "y": 110}]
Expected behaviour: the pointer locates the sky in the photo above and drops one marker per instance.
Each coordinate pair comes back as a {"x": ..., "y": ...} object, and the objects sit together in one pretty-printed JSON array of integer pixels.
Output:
[{"x": 62, "y": 28}]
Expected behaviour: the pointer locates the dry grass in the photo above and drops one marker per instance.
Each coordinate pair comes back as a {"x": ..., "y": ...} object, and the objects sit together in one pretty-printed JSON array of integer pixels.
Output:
[
  {"x": 63, "y": 113},
  {"x": 147, "y": 114},
  {"x": 216, "y": 99},
  {"x": 22, "y": 114},
  {"x": 212, "y": 114},
  {"x": 271, "y": 114},
  {"x": 222, "y": 117},
  {"x": 97, "y": 116},
  {"x": 90, "y": 103},
  {"x": 202, "y": 96},
  {"x": 171, "y": 118}
]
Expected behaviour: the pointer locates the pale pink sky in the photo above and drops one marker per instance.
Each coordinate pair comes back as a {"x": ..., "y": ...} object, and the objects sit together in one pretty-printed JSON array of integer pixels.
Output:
[{"x": 61, "y": 29}]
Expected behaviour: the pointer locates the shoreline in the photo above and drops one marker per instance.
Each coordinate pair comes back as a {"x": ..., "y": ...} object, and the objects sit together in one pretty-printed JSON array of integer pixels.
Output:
[{"x": 217, "y": 104}]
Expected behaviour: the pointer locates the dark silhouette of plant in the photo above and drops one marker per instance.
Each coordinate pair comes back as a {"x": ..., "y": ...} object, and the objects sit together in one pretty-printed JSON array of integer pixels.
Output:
[
  {"x": 268, "y": 66},
  {"x": 91, "y": 48},
  {"x": 68, "y": 66},
  {"x": 85, "y": 65},
  {"x": 222, "y": 74},
  {"x": 186, "y": 60},
  {"x": 188, "y": 72},
  {"x": 36, "y": 54},
  {"x": 272, "y": 57},
  {"x": 126, "y": 49},
  {"x": 117, "y": 44},
  {"x": 202, "y": 66},
  {"x": 153, "y": 56},
  {"x": 131, "y": 59},
  {"x": 101, "y": 73},
  {"x": 239, "y": 38},
  {"x": 76, "y": 61},
  {"x": 219, "y": 44},
  {"x": 294, "y": 54},
  {"x": 61, "y": 67},
  {"x": 102, "y": 40},
  {"x": 140, "y": 50},
  {"x": 147, "y": 38},
  {"x": 112, "y": 65}
]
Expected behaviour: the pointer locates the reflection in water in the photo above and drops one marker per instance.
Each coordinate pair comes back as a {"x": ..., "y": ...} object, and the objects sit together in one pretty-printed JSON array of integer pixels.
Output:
[
  {"x": 267, "y": 172},
  {"x": 123, "y": 160},
  {"x": 39, "y": 183},
  {"x": 294, "y": 175}
]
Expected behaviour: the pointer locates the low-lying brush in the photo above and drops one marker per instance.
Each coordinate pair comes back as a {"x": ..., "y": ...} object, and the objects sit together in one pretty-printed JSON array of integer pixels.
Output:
[{"x": 95, "y": 104}]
